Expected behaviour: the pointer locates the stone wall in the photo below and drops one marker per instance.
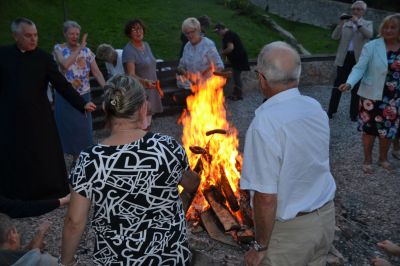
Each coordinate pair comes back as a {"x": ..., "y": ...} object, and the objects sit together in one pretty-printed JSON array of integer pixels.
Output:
[
  {"x": 316, "y": 70},
  {"x": 323, "y": 13}
]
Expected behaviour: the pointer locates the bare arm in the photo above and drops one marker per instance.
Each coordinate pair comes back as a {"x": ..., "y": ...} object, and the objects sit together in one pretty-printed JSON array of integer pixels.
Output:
[
  {"x": 229, "y": 48},
  {"x": 74, "y": 225},
  {"x": 65, "y": 63},
  {"x": 130, "y": 70},
  {"x": 264, "y": 209},
  {"x": 190, "y": 181},
  {"x": 97, "y": 73}
]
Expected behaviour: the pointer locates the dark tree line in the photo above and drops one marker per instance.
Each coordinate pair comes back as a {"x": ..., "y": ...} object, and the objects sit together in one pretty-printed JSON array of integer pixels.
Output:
[{"x": 390, "y": 5}]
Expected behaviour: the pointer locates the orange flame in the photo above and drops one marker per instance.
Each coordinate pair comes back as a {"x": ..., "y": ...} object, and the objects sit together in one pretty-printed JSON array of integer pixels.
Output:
[{"x": 206, "y": 111}]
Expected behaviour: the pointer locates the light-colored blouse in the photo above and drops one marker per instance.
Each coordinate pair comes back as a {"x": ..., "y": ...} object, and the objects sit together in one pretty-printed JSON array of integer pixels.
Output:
[{"x": 78, "y": 73}]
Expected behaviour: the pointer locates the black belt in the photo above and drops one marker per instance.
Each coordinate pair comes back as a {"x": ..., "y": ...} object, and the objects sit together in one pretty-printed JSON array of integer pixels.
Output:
[{"x": 305, "y": 213}]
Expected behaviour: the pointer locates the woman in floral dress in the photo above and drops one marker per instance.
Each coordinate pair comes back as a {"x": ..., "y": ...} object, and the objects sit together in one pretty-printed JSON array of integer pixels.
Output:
[
  {"x": 75, "y": 61},
  {"x": 379, "y": 68}
]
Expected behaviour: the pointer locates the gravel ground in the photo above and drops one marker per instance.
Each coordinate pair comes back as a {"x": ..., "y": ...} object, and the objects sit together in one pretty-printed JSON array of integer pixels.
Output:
[{"x": 367, "y": 205}]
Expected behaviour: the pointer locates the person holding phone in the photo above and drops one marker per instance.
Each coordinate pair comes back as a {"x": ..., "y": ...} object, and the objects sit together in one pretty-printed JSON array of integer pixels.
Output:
[
  {"x": 379, "y": 72},
  {"x": 353, "y": 31},
  {"x": 76, "y": 62}
]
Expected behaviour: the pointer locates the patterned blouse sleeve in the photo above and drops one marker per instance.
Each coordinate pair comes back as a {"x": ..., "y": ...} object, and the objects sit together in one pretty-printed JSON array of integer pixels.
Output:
[
  {"x": 78, "y": 178},
  {"x": 90, "y": 55}
]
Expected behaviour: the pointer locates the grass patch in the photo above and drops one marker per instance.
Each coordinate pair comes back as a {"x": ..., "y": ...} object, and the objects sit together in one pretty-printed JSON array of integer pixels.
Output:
[{"x": 104, "y": 20}]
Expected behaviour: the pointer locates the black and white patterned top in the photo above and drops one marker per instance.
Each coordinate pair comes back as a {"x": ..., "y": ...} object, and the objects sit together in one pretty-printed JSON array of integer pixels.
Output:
[{"x": 138, "y": 216}]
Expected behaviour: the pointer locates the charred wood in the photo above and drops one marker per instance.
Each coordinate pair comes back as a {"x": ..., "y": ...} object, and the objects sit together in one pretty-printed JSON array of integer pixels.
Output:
[{"x": 227, "y": 220}]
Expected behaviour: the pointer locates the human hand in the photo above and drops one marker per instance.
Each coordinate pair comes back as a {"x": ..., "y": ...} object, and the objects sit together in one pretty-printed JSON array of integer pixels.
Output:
[
  {"x": 389, "y": 247},
  {"x": 83, "y": 41},
  {"x": 181, "y": 71},
  {"x": 38, "y": 240},
  {"x": 65, "y": 200},
  {"x": 380, "y": 262},
  {"x": 253, "y": 258},
  {"x": 90, "y": 107},
  {"x": 150, "y": 84},
  {"x": 395, "y": 65},
  {"x": 344, "y": 87}
]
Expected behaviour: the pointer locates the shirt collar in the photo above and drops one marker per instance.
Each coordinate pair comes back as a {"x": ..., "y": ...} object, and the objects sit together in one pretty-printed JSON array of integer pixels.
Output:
[{"x": 280, "y": 97}]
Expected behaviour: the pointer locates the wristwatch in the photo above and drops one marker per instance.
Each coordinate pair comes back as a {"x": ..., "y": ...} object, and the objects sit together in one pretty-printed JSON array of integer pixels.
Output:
[{"x": 257, "y": 247}]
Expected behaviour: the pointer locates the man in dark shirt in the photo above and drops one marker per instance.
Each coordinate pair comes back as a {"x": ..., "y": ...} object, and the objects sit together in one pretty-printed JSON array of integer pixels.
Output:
[{"x": 233, "y": 49}]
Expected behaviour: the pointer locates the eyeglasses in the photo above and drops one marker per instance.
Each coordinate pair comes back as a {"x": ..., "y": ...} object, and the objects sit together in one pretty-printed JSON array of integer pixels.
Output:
[
  {"x": 259, "y": 74},
  {"x": 357, "y": 8},
  {"x": 137, "y": 29}
]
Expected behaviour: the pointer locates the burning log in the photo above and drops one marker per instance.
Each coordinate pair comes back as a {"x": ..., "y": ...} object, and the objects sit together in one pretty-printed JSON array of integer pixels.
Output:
[
  {"x": 228, "y": 192},
  {"x": 227, "y": 220},
  {"x": 245, "y": 235},
  {"x": 212, "y": 226}
]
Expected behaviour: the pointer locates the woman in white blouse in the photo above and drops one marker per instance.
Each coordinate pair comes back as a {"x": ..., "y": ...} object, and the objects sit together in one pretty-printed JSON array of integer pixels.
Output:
[{"x": 199, "y": 56}]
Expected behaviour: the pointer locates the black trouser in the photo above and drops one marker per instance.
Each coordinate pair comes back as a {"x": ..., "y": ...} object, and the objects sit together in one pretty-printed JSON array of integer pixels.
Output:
[
  {"x": 237, "y": 82},
  {"x": 341, "y": 77}
]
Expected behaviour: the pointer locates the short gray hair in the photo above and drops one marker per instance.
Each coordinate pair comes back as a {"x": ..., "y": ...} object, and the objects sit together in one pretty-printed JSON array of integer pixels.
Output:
[
  {"x": 273, "y": 68},
  {"x": 70, "y": 24},
  {"x": 123, "y": 97},
  {"x": 105, "y": 52},
  {"x": 192, "y": 23},
  {"x": 16, "y": 24},
  {"x": 361, "y": 4},
  {"x": 6, "y": 225}
]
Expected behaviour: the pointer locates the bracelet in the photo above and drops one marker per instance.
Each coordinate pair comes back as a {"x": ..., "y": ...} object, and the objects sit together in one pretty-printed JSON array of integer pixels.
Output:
[{"x": 74, "y": 263}]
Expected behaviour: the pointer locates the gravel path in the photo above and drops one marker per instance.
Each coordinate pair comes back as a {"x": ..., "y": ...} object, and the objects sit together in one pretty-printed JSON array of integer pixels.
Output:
[{"x": 367, "y": 205}]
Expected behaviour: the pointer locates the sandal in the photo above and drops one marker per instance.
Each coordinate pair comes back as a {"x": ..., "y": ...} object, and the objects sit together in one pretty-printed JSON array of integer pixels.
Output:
[
  {"x": 367, "y": 168},
  {"x": 386, "y": 165}
]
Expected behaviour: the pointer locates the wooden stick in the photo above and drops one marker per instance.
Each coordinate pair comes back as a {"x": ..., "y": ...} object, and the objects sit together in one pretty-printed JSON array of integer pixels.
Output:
[
  {"x": 227, "y": 220},
  {"x": 228, "y": 192}
]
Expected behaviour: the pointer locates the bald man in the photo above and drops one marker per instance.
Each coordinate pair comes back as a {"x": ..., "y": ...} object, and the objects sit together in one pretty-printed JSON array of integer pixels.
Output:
[{"x": 286, "y": 168}]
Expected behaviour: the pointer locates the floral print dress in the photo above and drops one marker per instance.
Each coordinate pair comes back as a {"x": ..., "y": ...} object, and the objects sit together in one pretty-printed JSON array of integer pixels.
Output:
[{"x": 382, "y": 118}]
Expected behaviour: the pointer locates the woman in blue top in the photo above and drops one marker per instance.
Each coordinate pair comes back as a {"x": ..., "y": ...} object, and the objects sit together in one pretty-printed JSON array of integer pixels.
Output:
[{"x": 379, "y": 71}]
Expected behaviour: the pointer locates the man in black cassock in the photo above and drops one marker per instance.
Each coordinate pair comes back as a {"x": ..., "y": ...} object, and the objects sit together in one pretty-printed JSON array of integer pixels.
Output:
[{"x": 32, "y": 164}]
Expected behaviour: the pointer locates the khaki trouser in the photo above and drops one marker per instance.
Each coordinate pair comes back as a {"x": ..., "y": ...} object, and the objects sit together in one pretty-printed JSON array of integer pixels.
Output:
[{"x": 305, "y": 240}]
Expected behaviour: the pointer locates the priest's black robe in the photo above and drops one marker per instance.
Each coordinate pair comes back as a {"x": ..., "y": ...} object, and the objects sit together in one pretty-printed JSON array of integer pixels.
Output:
[{"x": 32, "y": 164}]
